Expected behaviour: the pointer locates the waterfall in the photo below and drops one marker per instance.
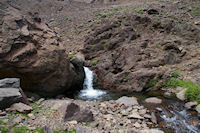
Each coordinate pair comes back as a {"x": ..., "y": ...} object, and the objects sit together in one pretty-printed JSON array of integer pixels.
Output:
[{"x": 88, "y": 91}]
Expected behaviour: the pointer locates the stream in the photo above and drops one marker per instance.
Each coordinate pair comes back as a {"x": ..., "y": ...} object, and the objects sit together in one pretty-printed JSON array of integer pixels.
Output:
[{"x": 172, "y": 116}]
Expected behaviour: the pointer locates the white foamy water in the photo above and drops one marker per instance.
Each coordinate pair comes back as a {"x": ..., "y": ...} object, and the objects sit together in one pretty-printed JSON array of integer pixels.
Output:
[
  {"x": 179, "y": 122},
  {"x": 88, "y": 91}
]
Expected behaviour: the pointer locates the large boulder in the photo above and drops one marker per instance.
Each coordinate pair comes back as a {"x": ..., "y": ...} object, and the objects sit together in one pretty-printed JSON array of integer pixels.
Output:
[
  {"x": 32, "y": 51},
  {"x": 10, "y": 92}
]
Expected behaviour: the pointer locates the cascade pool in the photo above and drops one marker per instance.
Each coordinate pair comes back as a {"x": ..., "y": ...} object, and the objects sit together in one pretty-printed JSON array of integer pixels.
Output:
[{"x": 173, "y": 118}]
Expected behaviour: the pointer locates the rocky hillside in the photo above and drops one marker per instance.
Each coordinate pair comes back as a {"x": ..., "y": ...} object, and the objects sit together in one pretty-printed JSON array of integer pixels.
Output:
[{"x": 146, "y": 47}]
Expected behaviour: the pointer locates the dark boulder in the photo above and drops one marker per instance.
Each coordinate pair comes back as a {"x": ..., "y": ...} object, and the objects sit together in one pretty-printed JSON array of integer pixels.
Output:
[{"x": 32, "y": 51}]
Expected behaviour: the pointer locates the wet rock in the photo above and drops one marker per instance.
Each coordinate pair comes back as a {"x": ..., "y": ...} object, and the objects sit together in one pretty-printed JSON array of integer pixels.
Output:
[
  {"x": 127, "y": 101},
  {"x": 154, "y": 100},
  {"x": 29, "y": 49},
  {"x": 10, "y": 92},
  {"x": 151, "y": 131},
  {"x": 181, "y": 94},
  {"x": 189, "y": 105},
  {"x": 153, "y": 11},
  {"x": 198, "y": 108},
  {"x": 20, "y": 107}
]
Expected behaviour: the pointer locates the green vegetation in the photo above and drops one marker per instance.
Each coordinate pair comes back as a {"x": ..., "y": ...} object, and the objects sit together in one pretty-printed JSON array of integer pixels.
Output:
[
  {"x": 175, "y": 74},
  {"x": 54, "y": 24},
  {"x": 196, "y": 9},
  {"x": 93, "y": 45},
  {"x": 105, "y": 45},
  {"x": 159, "y": 47},
  {"x": 71, "y": 56},
  {"x": 153, "y": 83},
  {"x": 184, "y": 6},
  {"x": 134, "y": 43},
  {"x": 192, "y": 92},
  {"x": 94, "y": 63},
  {"x": 139, "y": 10},
  {"x": 197, "y": 6}
]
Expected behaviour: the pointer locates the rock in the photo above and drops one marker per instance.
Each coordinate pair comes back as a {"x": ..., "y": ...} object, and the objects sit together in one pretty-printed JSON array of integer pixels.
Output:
[
  {"x": 10, "y": 93},
  {"x": 71, "y": 111},
  {"x": 10, "y": 83},
  {"x": 154, "y": 100},
  {"x": 46, "y": 129},
  {"x": 189, "y": 105},
  {"x": 135, "y": 115},
  {"x": 147, "y": 116},
  {"x": 127, "y": 101},
  {"x": 198, "y": 108},
  {"x": 73, "y": 122},
  {"x": 61, "y": 106},
  {"x": 29, "y": 49},
  {"x": 181, "y": 94},
  {"x": 20, "y": 107},
  {"x": 137, "y": 125},
  {"x": 17, "y": 120},
  {"x": 150, "y": 131},
  {"x": 74, "y": 112},
  {"x": 152, "y": 11},
  {"x": 153, "y": 118},
  {"x": 2, "y": 113},
  {"x": 31, "y": 116}
]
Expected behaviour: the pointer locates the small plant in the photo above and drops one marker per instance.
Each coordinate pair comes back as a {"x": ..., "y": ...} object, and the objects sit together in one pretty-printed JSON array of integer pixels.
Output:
[
  {"x": 93, "y": 45},
  {"x": 105, "y": 45},
  {"x": 54, "y": 24},
  {"x": 159, "y": 47},
  {"x": 169, "y": 16},
  {"x": 175, "y": 74},
  {"x": 154, "y": 83},
  {"x": 94, "y": 63},
  {"x": 134, "y": 43},
  {"x": 139, "y": 10},
  {"x": 197, "y": 6},
  {"x": 184, "y": 6}
]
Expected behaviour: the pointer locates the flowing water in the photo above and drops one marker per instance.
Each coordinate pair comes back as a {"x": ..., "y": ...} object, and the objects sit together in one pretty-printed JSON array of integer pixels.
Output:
[
  {"x": 173, "y": 118},
  {"x": 88, "y": 91}
]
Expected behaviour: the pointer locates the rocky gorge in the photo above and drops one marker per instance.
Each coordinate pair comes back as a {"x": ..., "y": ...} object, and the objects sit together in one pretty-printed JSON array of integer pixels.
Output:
[{"x": 99, "y": 66}]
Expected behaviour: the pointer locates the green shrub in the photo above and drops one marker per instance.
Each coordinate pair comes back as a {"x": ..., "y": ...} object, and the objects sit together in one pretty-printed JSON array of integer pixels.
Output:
[
  {"x": 139, "y": 10},
  {"x": 184, "y": 6},
  {"x": 153, "y": 83},
  {"x": 175, "y": 74},
  {"x": 94, "y": 63},
  {"x": 3, "y": 130},
  {"x": 192, "y": 92}
]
